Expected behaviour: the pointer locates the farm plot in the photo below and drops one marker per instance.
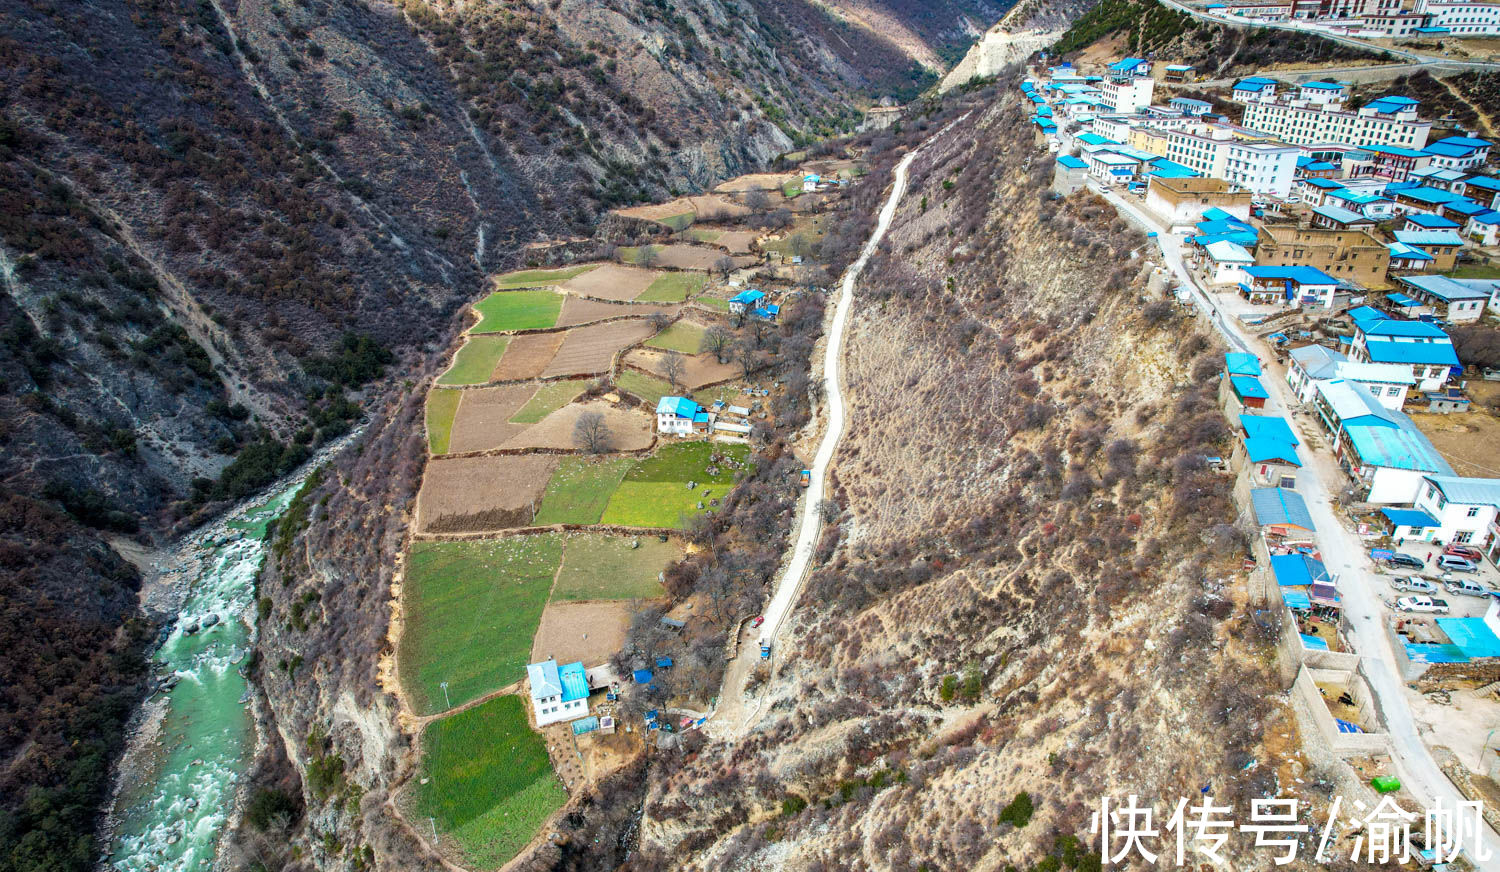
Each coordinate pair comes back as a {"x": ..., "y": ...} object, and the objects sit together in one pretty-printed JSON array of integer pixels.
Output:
[
  {"x": 589, "y": 350},
  {"x": 754, "y": 182},
  {"x": 674, "y": 287},
  {"x": 655, "y": 492},
  {"x": 540, "y": 278},
  {"x": 442, "y": 406},
  {"x": 612, "y": 281},
  {"x": 677, "y": 256},
  {"x": 548, "y": 398},
  {"x": 711, "y": 207},
  {"x": 649, "y": 389},
  {"x": 478, "y": 494},
  {"x": 578, "y": 310},
  {"x": 591, "y": 632},
  {"x": 602, "y": 567},
  {"x": 683, "y": 336},
  {"x": 737, "y": 241},
  {"x": 697, "y": 369},
  {"x": 629, "y": 430},
  {"x": 487, "y": 781},
  {"x": 580, "y": 488},
  {"x": 474, "y": 363},
  {"x": 528, "y": 355},
  {"x": 517, "y": 310},
  {"x": 471, "y": 610},
  {"x": 677, "y": 214},
  {"x": 483, "y": 420}
]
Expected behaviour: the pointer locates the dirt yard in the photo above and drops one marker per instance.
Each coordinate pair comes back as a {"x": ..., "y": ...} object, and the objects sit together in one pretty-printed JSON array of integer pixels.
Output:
[
  {"x": 1467, "y": 441},
  {"x": 587, "y": 631},
  {"x": 483, "y": 419},
  {"x": 763, "y": 181},
  {"x": 612, "y": 281},
  {"x": 527, "y": 356},
  {"x": 476, "y": 494},
  {"x": 592, "y": 349},
  {"x": 698, "y": 369},
  {"x": 630, "y": 429},
  {"x": 577, "y": 310}
]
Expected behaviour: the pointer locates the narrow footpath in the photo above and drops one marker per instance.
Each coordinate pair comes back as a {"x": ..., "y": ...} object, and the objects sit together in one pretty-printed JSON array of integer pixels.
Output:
[{"x": 1343, "y": 553}]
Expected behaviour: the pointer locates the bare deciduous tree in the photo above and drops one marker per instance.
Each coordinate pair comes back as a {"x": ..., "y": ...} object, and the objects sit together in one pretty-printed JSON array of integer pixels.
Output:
[
  {"x": 590, "y": 433},
  {"x": 673, "y": 366},
  {"x": 758, "y": 200},
  {"x": 746, "y": 354},
  {"x": 647, "y": 256},
  {"x": 724, "y": 265},
  {"x": 716, "y": 341}
]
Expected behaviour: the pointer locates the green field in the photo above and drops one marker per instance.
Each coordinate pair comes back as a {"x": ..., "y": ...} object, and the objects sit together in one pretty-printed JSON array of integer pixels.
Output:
[
  {"x": 680, "y": 221},
  {"x": 596, "y": 566},
  {"x": 534, "y": 278},
  {"x": 474, "y": 362},
  {"x": 718, "y": 304},
  {"x": 489, "y": 783},
  {"x": 471, "y": 609},
  {"x": 632, "y": 253},
  {"x": 580, "y": 488},
  {"x": 1476, "y": 271},
  {"x": 673, "y": 287},
  {"x": 517, "y": 310},
  {"x": 442, "y": 406},
  {"x": 699, "y": 234},
  {"x": 644, "y": 386},
  {"x": 682, "y": 336},
  {"x": 727, "y": 393},
  {"x": 655, "y": 492},
  {"x": 792, "y": 188},
  {"x": 548, "y": 398}
]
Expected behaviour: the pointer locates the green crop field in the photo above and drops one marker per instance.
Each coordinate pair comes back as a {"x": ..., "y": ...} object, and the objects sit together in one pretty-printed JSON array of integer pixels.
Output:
[
  {"x": 536, "y": 278},
  {"x": 632, "y": 253},
  {"x": 517, "y": 310},
  {"x": 792, "y": 188},
  {"x": 548, "y": 398},
  {"x": 727, "y": 393},
  {"x": 655, "y": 492},
  {"x": 673, "y": 287},
  {"x": 646, "y": 387},
  {"x": 474, "y": 362},
  {"x": 682, "y": 336},
  {"x": 680, "y": 221},
  {"x": 442, "y": 406},
  {"x": 699, "y": 234},
  {"x": 596, "y": 566},
  {"x": 718, "y": 304},
  {"x": 580, "y": 488},
  {"x": 471, "y": 609},
  {"x": 489, "y": 783}
]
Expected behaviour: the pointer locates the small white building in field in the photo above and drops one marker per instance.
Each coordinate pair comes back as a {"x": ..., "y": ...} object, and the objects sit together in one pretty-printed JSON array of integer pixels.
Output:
[
  {"x": 557, "y": 693},
  {"x": 680, "y": 416}
]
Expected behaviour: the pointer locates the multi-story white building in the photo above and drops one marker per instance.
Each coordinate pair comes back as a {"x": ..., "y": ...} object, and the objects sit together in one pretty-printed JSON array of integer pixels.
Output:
[
  {"x": 1260, "y": 167},
  {"x": 1387, "y": 121},
  {"x": 1462, "y": 17},
  {"x": 1463, "y": 507},
  {"x": 1126, "y": 95}
]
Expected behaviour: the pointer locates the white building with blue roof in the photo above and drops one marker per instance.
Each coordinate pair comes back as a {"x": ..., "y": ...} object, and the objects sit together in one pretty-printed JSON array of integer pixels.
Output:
[
  {"x": 1456, "y": 300},
  {"x": 1379, "y": 447},
  {"x": 1465, "y": 509},
  {"x": 557, "y": 693},
  {"x": 1253, "y": 89},
  {"x": 1422, "y": 346},
  {"x": 745, "y": 300},
  {"x": 680, "y": 416}
]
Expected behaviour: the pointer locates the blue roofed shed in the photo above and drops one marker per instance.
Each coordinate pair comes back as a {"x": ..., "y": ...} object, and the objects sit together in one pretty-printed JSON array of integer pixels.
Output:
[
  {"x": 1264, "y": 450},
  {"x": 1072, "y": 162},
  {"x": 1299, "y": 570},
  {"x": 574, "y": 684},
  {"x": 1268, "y": 427},
  {"x": 1241, "y": 363},
  {"x": 1280, "y": 507},
  {"x": 1419, "y": 521},
  {"x": 1472, "y": 636}
]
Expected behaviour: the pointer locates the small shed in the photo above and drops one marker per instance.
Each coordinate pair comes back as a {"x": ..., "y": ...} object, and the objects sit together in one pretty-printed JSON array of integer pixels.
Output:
[
  {"x": 641, "y": 676},
  {"x": 1445, "y": 402},
  {"x": 1410, "y": 523},
  {"x": 673, "y": 623},
  {"x": 1281, "y": 509},
  {"x": 1249, "y": 391}
]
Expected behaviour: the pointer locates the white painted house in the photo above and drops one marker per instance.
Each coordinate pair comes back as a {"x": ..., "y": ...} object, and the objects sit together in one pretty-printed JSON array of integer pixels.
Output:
[
  {"x": 1422, "y": 346},
  {"x": 1227, "y": 262},
  {"x": 745, "y": 300},
  {"x": 680, "y": 416},
  {"x": 1306, "y": 366},
  {"x": 557, "y": 694},
  {"x": 1465, "y": 508}
]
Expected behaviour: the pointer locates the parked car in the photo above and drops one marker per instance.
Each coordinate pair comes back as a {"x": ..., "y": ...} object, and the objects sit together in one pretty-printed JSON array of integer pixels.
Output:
[
  {"x": 1405, "y": 561},
  {"x": 1414, "y": 584},
  {"x": 1454, "y": 563},
  {"x": 1465, "y": 552},
  {"x": 759, "y": 619},
  {"x": 1466, "y": 586},
  {"x": 1425, "y": 604}
]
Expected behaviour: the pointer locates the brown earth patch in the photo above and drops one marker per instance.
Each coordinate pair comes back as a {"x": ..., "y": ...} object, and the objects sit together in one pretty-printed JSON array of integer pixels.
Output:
[
  {"x": 1466, "y": 440},
  {"x": 577, "y": 310},
  {"x": 737, "y": 241},
  {"x": 698, "y": 369},
  {"x": 751, "y": 181},
  {"x": 478, "y": 494},
  {"x": 676, "y": 256},
  {"x": 612, "y": 281},
  {"x": 528, "y": 355},
  {"x": 630, "y": 430},
  {"x": 587, "y": 631},
  {"x": 715, "y": 208},
  {"x": 592, "y": 349},
  {"x": 483, "y": 417}
]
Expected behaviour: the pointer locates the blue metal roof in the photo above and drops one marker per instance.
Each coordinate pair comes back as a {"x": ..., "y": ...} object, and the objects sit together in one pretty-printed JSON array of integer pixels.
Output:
[
  {"x": 574, "y": 685},
  {"x": 641, "y": 676},
  {"x": 747, "y": 297},
  {"x": 1227, "y": 225},
  {"x": 1487, "y": 217},
  {"x": 1214, "y": 213},
  {"x": 1402, "y": 300},
  {"x": 1189, "y": 101},
  {"x": 1253, "y": 83},
  {"x": 1268, "y": 427},
  {"x": 1402, "y": 251},
  {"x": 1298, "y": 570},
  {"x": 1395, "y": 448},
  {"x": 1072, "y": 162},
  {"x": 1472, "y": 636},
  {"x": 1465, "y": 206},
  {"x": 544, "y": 680},
  {"x": 1265, "y": 450},
  {"x": 1468, "y": 491},
  {"x": 1394, "y": 150},
  {"x": 1296, "y": 599},
  {"x": 1247, "y": 238},
  {"x": 1424, "y": 194},
  {"x": 1171, "y": 170},
  {"x": 1096, "y": 139},
  {"x": 1278, "y": 505},
  {"x": 1444, "y": 289},
  {"x": 1126, "y": 64},
  {"x": 1301, "y": 275},
  {"x": 1241, "y": 363},
  {"x": 1428, "y": 237},
  {"x": 1341, "y": 215},
  {"x": 1248, "y": 387},
  {"x": 1484, "y": 183},
  {"x": 1446, "y": 150},
  {"x": 1325, "y": 184},
  {"x": 1323, "y": 86},
  {"x": 1424, "y": 353},
  {"x": 682, "y": 407},
  {"x": 1409, "y": 518},
  {"x": 1431, "y": 222}
]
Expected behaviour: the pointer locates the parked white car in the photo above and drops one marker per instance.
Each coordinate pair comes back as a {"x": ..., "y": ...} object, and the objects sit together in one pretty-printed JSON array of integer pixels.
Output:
[{"x": 1423, "y": 604}]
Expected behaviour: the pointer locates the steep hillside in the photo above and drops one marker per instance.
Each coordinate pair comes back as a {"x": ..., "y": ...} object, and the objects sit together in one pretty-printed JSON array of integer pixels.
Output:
[
  {"x": 1029, "y": 26},
  {"x": 222, "y": 220},
  {"x": 1035, "y": 582}
]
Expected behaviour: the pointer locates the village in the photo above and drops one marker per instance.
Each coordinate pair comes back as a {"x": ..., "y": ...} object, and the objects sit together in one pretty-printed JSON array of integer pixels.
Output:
[
  {"x": 591, "y": 415},
  {"x": 1405, "y": 20},
  {"x": 1336, "y": 247}
]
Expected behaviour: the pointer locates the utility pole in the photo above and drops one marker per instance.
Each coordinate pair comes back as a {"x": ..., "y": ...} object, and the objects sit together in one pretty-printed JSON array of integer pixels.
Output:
[{"x": 447, "y": 704}]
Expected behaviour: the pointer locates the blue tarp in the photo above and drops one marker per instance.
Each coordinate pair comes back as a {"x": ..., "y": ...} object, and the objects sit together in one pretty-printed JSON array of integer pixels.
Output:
[
  {"x": 1346, "y": 727},
  {"x": 1296, "y": 599},
  {"x": 641, "y": 676},
  {"x": 1409, "y": 518},
  {"x": 1421, "y": 652},
  {"x": 1298, "y": 570},
  {"x": 1472, "y": 636},
  {"x": 664, "y": 663},
  {"x": 1313, "y": 643}
]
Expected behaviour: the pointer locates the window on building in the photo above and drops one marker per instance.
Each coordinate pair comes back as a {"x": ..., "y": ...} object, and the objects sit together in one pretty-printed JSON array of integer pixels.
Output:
[{"x": 1472, "y": 512}]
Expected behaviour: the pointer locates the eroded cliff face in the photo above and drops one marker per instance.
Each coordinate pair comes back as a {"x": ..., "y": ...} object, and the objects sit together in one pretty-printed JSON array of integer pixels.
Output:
[{"x": 1036, "y": 586}]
